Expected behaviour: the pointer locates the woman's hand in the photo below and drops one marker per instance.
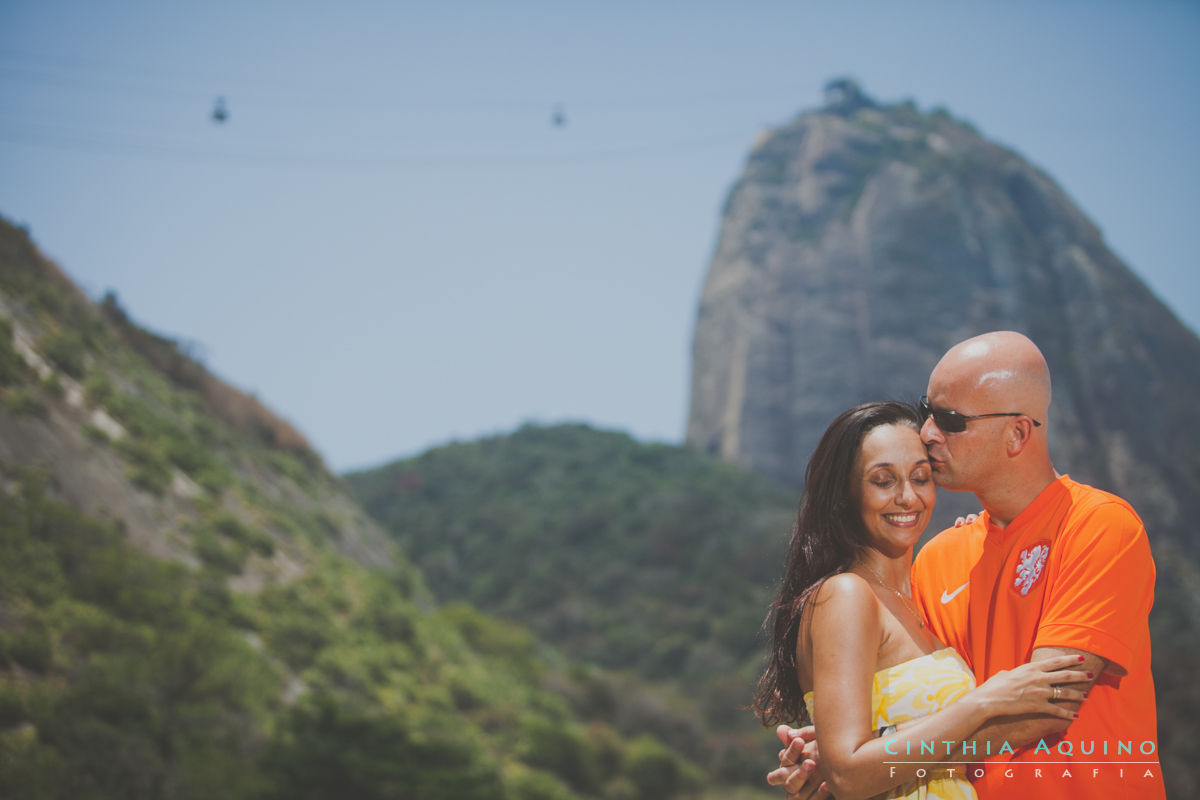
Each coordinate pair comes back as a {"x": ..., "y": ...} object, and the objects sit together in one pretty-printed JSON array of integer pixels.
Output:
[
  {"x": 797, "y": 772},
  {"x": 1034, "y": 688}
]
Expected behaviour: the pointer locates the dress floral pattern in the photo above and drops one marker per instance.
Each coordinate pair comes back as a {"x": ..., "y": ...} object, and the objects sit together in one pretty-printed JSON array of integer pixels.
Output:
[{"x": 913, "y": 689}]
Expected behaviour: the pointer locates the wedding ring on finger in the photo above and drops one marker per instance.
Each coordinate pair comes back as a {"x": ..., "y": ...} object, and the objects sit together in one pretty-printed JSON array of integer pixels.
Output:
[{"x": 1057, "y": 692}]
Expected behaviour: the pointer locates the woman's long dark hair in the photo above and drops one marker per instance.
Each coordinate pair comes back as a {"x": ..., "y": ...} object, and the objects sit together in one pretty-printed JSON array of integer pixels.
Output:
[{"x": 828, "y": 538}]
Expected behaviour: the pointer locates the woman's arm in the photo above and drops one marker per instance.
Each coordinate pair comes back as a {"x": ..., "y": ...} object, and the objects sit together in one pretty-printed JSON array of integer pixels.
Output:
[
  {"x": 1020, "y": 730},
  {"x": 846, "y": 629}
]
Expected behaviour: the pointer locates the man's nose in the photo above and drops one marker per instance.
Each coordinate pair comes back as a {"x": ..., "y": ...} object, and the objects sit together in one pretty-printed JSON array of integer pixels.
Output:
[{"x": 930, "y": 432}]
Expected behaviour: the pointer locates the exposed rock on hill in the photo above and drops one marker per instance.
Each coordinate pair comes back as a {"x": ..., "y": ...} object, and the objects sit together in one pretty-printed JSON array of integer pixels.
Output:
[
  {"x": 862, "y": 240},
  {"x": 128, "y": 427}
]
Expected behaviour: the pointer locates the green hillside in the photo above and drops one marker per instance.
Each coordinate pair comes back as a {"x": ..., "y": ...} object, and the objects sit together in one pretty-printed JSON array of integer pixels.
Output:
[
  {"x": 192, "y": 606},
  {"x": 129, "y": 677},
  {"x": 650, "y": 558}
]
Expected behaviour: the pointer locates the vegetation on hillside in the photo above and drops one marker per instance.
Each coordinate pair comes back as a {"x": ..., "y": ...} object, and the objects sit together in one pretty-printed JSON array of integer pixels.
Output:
[
  {"x": 654, "y": 559},
  {"x": 125, "y": 676},
  {"x": 274, "y": 644}
]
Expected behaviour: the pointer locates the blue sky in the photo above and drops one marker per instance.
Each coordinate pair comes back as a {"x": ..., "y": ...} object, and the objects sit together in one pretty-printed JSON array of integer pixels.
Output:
[{"x": 390, "y": 244}]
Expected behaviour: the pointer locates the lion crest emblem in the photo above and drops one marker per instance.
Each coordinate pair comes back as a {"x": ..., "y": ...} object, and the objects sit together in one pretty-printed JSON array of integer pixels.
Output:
[{"x": 1030, "y": 566}]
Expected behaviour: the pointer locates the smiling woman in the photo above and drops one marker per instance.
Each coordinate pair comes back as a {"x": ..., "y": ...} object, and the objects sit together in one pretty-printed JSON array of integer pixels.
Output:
[{"x": 850, "y": 650}]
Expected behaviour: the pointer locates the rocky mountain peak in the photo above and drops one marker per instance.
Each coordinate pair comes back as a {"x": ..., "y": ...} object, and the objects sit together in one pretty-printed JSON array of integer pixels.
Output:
[{"x": 845, "y": 96}]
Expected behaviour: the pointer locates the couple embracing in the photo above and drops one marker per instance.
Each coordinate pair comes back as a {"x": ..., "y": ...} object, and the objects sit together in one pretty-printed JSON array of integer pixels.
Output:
[{"x": 1012, "y": 659}]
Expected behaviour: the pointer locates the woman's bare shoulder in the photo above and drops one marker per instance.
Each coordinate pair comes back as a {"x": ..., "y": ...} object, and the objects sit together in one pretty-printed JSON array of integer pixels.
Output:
[
  {"x": 847, "y": 621},
  {"x": 845, "y": 591},
  {"x": 843, "y": 615}
]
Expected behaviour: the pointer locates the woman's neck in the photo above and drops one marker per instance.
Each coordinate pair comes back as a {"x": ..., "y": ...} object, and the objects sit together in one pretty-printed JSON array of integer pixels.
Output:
[{"x": 890, "y": 571}]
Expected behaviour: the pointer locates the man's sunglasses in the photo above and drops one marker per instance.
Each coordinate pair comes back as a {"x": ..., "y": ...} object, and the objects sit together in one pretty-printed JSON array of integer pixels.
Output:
[{"x": 954, "y": 422}]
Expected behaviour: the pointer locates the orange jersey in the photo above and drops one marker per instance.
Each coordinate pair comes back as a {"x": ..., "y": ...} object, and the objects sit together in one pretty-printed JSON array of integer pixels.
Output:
[{"x": 1072, "y": 570}]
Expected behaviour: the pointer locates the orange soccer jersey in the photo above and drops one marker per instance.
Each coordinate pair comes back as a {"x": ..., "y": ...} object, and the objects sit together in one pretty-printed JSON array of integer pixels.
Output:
[{"x": 1072, "y": 570}]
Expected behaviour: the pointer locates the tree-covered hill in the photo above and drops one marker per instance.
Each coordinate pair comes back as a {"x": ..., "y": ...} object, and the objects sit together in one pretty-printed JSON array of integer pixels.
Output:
[
  {"x": 126, "y": 676},
  {"x": 651, "y": 558},
  {"x": 192, "y": 606}
]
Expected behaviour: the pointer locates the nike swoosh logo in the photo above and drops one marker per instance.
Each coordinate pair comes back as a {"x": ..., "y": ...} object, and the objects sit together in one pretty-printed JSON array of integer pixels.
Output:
[{"x": 948, "y": 596}]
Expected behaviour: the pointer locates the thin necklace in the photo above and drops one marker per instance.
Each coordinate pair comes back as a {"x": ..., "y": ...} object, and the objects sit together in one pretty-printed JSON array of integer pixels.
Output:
[{"x": 903, "y": 597}]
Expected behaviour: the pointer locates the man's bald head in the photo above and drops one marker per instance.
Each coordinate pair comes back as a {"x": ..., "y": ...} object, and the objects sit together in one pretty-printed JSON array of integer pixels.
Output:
[
  {"x": 1003, "y": 370},
  {"x": 1003, "y": 454}
]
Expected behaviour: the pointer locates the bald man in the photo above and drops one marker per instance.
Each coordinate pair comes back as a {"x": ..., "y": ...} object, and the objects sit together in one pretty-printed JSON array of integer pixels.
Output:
[{"x": 1050, "y": 567}]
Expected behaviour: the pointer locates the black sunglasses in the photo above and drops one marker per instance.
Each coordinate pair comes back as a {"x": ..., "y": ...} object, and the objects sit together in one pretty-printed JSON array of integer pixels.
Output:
[{"x": 954, "y": 422}]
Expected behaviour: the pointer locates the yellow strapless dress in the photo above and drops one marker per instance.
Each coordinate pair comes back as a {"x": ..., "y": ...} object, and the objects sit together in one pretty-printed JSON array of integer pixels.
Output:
[{"x": 913, "y": 689}]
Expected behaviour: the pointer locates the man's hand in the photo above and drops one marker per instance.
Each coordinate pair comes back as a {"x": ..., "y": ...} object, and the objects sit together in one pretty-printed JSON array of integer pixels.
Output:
[{"x": 797, "y": 772}]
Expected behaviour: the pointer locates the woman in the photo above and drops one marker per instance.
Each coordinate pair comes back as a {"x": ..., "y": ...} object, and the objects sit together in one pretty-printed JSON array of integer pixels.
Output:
[{"x": 845, "y": 629}]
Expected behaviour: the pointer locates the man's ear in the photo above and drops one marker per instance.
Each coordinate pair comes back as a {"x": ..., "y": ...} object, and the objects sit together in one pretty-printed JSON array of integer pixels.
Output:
[{"x": 1020, "y": 434}]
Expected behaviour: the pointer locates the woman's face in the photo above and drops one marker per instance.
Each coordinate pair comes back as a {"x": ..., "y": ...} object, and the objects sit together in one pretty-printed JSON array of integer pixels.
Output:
[{"x": 896, "y": 487}]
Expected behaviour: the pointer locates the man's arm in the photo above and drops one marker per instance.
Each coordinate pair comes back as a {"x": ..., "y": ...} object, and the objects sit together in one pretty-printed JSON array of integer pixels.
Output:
[{"x": 1026, "y": 729}]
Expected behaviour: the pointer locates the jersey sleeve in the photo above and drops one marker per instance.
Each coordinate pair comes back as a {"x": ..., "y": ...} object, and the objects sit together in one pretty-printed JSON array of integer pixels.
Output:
[{"x": 1101, "y": 597}]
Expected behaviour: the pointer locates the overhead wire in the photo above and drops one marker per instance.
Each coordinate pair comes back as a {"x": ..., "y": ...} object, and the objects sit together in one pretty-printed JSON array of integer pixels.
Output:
[
  {"x": 84, "y": 144},
  {"x": 289, "y": 95},
  {"x": 124, "y": 81}
]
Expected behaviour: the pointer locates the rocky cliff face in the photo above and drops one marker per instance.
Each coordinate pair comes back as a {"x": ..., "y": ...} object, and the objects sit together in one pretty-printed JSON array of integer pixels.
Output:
[
  {"x": 864, "y": 240},
  {"x": 127, "y": 427}
]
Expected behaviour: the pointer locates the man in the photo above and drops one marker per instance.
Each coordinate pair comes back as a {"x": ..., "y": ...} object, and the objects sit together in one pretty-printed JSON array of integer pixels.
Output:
[{"x": 1051, "y": 567}]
